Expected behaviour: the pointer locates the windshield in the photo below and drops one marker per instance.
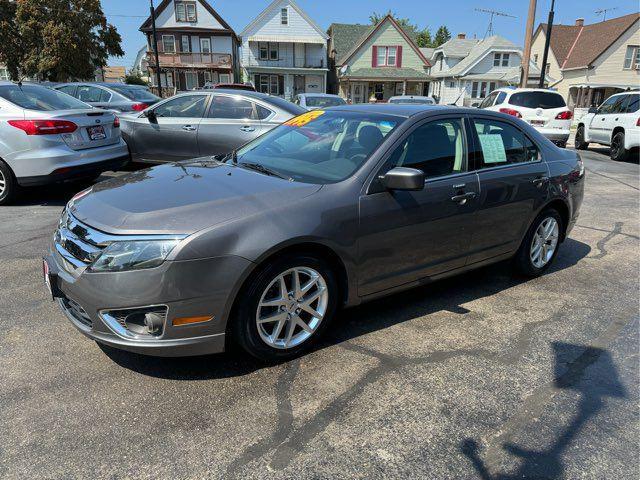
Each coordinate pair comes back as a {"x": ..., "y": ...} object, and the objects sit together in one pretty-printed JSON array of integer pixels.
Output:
[
  {"x": 323, "y": 102},
  {"x": 139, "y": 94},
  {"x": 319, "y": 146},
  {"x": 35, "y": 97},
  {"x": 537, "y": 100}
]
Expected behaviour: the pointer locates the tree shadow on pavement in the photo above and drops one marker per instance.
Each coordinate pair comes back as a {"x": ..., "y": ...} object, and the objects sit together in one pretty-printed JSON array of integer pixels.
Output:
[
  {"x": 547, "y": 463},
  {"x": 445, "y": 295}
]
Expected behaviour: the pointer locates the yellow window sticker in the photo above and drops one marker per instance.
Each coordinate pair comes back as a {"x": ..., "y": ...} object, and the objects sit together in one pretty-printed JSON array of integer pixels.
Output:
[{"x": 302, "y": 120}]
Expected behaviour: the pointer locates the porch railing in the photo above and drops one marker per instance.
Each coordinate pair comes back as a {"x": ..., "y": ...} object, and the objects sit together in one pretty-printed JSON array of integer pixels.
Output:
[{"x": 180, "y": 59}]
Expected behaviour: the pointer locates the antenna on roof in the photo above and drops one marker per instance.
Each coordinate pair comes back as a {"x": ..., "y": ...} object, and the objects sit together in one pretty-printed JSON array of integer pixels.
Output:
[
  {"x": 492, "y": 14},
  {"x": 603, "y": 12}
]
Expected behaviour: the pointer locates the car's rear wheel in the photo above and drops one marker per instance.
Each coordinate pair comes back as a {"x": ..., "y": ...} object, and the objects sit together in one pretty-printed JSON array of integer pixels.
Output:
[
  {"x": 540, "y": 245},
  {"x": 8, "y": 185},
  {"x": 285, "y": 308},
  {"x": 580, "y": 141},
  {"x": 618, "y": 152}
]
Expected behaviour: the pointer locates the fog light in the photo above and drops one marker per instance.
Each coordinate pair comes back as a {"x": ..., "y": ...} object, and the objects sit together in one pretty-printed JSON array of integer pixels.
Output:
[
  {"x": 154, "y": 323},
  {"x": 190, "y": 320}
]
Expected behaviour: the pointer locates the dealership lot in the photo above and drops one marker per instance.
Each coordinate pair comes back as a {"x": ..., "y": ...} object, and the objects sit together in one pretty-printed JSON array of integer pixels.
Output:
[{"x": 479, "y": 376}]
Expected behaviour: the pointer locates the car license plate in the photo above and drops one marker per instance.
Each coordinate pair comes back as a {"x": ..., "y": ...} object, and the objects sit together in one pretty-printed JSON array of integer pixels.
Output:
[
  {"x": 537, "y": 122},
  {"x": 97, "y": 132}
]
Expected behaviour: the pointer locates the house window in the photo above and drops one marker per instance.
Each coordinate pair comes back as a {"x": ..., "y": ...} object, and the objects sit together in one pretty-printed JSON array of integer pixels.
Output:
[
  {"x": 185, "y": 43},
  {"x": 168, "y": 44},
  {"x": 207, "y": 77},
  {"x": 378, "y": 91},
  {"x": 264, "y": 51},
  {"x": 500, "y": 59},
  {"x": 535, "y": 59},
  {"x": 271, "y": 84},
  {"x": 4, "y": 74},
  {"x": 387, "y": 56},
  {"x": 452, "y": 84},
  {"x": 632, "y": 58},
  {"x": 479, "y": 89},
  {"x": 224, "y": 78},
  {"x": 273, "y": 51},
  {"x": 186, "y": 11},
  {"x": 492, "y": 87},
  {"x": 284, "y": 16},
  {"x": 205, "y": 45}
]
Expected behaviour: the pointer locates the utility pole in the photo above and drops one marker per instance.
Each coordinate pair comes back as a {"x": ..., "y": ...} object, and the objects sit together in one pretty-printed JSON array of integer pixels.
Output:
[
  {"x": 155, "y": 47},
  {"x": 531, "y": 18},
  {"x": 547, "y": 42}
]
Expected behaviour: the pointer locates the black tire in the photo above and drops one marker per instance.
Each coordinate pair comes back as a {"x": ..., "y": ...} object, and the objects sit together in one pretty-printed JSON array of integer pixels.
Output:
[
  {"x": 580, "y": 144},
  {"x": 522, "y": 261},
  {"x": 244, "y": 328},
  {"x": 618, "y": 153},
  {"x": 9, "y": 187}
]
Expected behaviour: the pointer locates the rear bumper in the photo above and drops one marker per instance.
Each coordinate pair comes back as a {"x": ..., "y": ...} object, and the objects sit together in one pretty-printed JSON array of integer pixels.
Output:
[
  {"x": 41, "y": 162},
  {"x": 69, "y": 173},
  {"x": 556, "y": 135}
]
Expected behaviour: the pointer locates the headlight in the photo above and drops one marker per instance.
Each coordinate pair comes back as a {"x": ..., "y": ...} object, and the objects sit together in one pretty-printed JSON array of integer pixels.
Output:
[{"x": 133, "y": 255}]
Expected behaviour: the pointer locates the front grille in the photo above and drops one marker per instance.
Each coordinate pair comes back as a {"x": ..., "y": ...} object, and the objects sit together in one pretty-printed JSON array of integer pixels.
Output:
[
  {"x": 78, "y": 243},
  {"x": 76, "y": 311}
]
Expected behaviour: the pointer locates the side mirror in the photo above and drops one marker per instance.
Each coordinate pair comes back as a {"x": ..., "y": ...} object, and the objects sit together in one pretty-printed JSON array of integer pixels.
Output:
[
  {"x": 402, "y": 178},
  {"x": 151, "y": 115},
  {"x": 593, "y": 109}
]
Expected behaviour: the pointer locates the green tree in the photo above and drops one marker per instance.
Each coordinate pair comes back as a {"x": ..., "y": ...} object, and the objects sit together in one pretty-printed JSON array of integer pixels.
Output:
[
  {"x": 57, "y": 40},
  {"x": 134, "y": 78},
  {"x": 424, "y": 38},
  {"x": 375, "y": 18},
  {"x": 442, "y": 36}
]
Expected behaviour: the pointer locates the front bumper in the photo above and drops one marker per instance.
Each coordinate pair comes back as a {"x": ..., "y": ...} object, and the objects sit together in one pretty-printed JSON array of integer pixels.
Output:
[{"x": 203, "y": 287}]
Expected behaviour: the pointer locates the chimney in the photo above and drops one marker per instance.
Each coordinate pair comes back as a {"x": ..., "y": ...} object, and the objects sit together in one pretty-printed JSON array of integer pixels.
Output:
[
  {"x": 462, "y": 36},
  {"x": 579, "y": 22}
]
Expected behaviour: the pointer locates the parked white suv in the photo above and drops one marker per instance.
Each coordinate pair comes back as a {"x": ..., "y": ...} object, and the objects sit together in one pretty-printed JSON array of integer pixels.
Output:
[
  {"x": 545, "y": 110},
  {"x": 615, "y": 123}
]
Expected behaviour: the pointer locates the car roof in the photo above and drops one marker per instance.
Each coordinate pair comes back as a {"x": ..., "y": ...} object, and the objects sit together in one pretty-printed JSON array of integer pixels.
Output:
[
  {"x": 401, "y": 109},
  {"x": 520, "y": 90},
  {"x": 411, "y": 96},
  {"x": 318, "y": 95}
]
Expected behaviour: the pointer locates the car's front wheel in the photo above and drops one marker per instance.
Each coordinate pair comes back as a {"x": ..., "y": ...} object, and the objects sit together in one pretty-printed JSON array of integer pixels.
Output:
[
  {"x": 580, "y": 141},
  {"x": 8, "y": 185},
  {"x": 540, "y": 245},
  {"x": 618, "y": 152},
  {"x": 288, "y": 305}
]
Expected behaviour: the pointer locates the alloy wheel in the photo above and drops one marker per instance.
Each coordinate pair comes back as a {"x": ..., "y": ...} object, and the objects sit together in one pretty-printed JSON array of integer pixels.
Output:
[
  {"x": 544, "y": 242},
  {"x": 3, "y": 183},
  {"x": 292, "y": 307}
]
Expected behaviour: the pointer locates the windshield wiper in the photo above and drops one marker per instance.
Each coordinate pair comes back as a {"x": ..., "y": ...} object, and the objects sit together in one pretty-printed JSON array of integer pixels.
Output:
[{"x": 262, "y": 169}]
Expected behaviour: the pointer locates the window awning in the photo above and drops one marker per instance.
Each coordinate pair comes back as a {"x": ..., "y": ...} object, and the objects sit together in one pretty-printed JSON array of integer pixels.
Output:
[
  {"x": 606, "y": 85},
  {"x": 286, "y": 39}
]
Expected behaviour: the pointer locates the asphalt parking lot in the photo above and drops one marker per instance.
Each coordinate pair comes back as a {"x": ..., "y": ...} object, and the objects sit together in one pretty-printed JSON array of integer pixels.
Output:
[{"x": 480, "y": 376}]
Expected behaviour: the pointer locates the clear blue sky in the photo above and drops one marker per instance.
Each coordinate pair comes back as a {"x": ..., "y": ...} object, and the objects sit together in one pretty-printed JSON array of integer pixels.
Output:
[{"x": 457, "y": 15}]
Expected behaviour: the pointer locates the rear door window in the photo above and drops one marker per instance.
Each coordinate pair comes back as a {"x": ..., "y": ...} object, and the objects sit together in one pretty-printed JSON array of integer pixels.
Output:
[
  {"x": 501, "y": 97},
  {"x": 231, "y": 108},
  {"x": 537, "y": 100},
  {"x": 608, "y": 106},
  {"x": 501, "y": 143},
  {"x": 68, "y": 89},
  {"x": 88, "y": 93}
]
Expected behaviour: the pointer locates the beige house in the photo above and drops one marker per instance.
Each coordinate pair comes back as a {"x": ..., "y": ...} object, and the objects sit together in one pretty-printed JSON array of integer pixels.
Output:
[{"x": 588, "y": 63}]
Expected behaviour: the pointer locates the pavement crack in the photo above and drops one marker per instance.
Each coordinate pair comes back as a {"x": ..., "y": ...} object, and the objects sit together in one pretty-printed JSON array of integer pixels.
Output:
[{"x": 617, "y": 230}]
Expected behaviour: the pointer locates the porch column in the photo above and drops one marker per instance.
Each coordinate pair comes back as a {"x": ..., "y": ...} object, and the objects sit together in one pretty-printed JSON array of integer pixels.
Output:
[
  {"x": 589, "y": 97},
  {"x": 404, "y": 87},
  {"x": 579, "y": 98}
]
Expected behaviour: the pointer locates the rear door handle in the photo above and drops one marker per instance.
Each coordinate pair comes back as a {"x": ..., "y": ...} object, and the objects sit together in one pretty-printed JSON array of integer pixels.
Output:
[
  {"x": 189, "y": 128},
  {"x": 538, "y": 182},
  {"x": 463, "y": 197},
  {"x": 248, "y": 128}
]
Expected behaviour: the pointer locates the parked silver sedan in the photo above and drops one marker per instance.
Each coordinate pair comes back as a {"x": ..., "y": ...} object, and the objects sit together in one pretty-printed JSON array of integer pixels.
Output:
[
  {"x": 119, "y": 97},
  {"x": 313, "y": 101},
  {"x": 48, "y": 136},
  {"x": 199, "y": 123}
]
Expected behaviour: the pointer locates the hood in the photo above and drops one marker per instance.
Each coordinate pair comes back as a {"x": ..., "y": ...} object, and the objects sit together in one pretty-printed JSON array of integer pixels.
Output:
[{"x": 182, "y": 198}]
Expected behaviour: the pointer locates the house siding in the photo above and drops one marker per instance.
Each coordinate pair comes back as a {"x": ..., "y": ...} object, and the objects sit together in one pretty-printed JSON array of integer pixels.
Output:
[
  {"x": 386, "y": 36},
  {"x": 297, "y": 26},
  {"x": 167, "y": 19},
  {"x": 537, "y": 48}
]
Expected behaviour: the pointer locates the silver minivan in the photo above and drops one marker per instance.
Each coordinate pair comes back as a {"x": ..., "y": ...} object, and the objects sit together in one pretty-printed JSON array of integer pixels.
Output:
[
  {"x": 212, "y": 122},
  {"x": 48, "y": 136}
]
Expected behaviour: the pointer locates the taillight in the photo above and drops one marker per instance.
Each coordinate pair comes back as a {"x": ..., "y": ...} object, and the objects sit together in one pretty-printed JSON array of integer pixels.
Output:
[
  {"x": 638, "y": 122},
  {"x": 567, "y": 115},
  {"x": 116, "y": 122},
  {"x": 44, "y": 127},
  {"x": 138, "y": 107},
  {"x": 512, "y": 112}
]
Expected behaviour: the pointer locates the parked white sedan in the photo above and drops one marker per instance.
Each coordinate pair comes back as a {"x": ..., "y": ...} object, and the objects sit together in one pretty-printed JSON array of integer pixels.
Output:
[
  {"x": 545, "y": 110},
  {"x": 615, "y": 123}
]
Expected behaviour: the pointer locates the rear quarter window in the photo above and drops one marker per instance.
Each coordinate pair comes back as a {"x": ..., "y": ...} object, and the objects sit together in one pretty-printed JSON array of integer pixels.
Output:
[{"x": 537, "y": 100}]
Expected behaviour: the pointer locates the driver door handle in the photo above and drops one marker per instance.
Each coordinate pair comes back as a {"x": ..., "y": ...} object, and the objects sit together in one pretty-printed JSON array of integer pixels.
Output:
[
  {"x": 463, "y": 197},
  {"x": 538, "y": 182},
  {"x": 189, "y": 128},
  {"x": 248, "y": 128}
]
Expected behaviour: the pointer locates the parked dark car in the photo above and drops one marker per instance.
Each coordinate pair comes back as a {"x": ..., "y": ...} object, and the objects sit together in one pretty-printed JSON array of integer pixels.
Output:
[
  {"x": 120, "y": 97},
  {"x": 229, "y": 86},
  {"x": 330, "y": 209},
  {"x": 204, "y": 122}
]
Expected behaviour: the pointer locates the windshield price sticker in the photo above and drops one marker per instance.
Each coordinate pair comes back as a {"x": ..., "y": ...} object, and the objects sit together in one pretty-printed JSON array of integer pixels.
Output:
[{"x": 302, "y": 120}]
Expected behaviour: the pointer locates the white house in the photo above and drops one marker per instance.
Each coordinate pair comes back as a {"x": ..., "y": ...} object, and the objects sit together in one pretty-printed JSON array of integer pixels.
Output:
[
  {"x": 284, "y": 52},
  {"x": 465, "y": 70}
]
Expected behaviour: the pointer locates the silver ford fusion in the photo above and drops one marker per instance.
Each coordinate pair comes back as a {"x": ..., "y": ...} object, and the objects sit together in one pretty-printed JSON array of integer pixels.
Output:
[
  {"x": 48, "y": 136},
  {"x": 333, "y": 208}
]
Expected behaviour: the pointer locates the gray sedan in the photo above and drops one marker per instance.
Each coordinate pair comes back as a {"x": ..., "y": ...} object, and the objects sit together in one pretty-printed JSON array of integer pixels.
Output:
[
  {"x": 332, "y": 208},
  {"x": 119, "y": 97},
  {"x": 211, "y": 122}
]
